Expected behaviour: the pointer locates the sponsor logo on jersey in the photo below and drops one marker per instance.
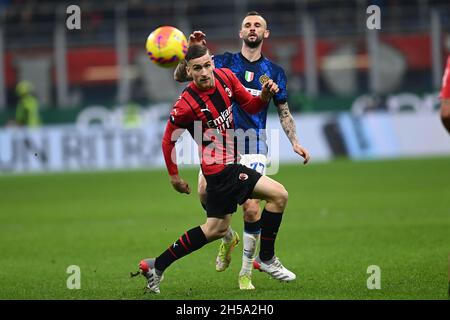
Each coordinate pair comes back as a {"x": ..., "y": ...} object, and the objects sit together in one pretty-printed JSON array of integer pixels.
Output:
[
  {"x": 223, "y": 121},
  {"x": 253, "y": 92}
]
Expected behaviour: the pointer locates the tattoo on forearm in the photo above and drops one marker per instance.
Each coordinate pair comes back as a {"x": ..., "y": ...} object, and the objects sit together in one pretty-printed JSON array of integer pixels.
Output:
[{"x": 287, "y": 122}]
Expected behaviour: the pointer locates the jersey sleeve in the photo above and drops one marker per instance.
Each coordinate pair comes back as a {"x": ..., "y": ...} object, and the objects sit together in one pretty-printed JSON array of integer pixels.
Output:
[
  {"x": 222, "y": 60},
  {"x": 180, "y": 118},
  {"x": 281, "y": 81},
  {"x": 181, "y": 115},
  {"x": 168, "y": 148},
  {"x": 445, "y": 90},
  {"x": 247, "y": 102}
]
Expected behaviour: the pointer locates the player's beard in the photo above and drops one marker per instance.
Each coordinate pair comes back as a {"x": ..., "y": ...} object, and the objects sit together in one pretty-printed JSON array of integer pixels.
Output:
[
  {"x": 255, "y": 43},
  {"x": 207, "y": 84}
]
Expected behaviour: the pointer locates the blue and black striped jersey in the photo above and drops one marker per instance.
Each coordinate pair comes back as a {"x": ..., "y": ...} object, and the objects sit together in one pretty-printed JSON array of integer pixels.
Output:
[{"x": 252, "y": 75}]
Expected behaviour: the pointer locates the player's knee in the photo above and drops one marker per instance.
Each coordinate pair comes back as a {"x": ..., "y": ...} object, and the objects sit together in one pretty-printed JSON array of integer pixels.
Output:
[
  {"x": 251, "y": 212},
  {"x": 281, "y": 198},
  {"x": 214, "y": 232}
]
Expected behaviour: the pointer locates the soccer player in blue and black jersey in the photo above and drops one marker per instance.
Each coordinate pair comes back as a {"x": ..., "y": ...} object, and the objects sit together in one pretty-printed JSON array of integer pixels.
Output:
[{"x": 252, "y": 69}]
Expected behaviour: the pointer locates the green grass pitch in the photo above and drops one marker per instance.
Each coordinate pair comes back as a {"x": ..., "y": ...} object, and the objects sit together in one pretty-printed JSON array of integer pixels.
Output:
[{"x": 341, "y": 218}]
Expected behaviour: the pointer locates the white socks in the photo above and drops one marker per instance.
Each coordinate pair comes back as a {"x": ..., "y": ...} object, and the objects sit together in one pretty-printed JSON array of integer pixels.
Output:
[{"x": 249, "y": 254}]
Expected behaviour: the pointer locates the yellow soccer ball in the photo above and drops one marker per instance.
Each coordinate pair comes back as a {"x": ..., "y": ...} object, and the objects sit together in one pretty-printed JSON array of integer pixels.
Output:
[{"x": 166, "y": 46}]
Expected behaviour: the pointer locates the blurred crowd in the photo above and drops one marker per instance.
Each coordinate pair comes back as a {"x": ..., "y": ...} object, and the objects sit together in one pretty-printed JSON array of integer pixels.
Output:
[
  {"x": 33, "y": 17},
  {"x": 30, "y": 24}
]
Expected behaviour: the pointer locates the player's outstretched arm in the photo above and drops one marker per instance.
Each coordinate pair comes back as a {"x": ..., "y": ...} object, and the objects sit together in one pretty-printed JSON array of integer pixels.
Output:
[
  {"x": 288, "y": 124},
  {"x": 445, "y": 113},
  {"x": 171, "y": 135},
  {"x": 248, "y": 102},
  {"x": 180, "y": 74}
]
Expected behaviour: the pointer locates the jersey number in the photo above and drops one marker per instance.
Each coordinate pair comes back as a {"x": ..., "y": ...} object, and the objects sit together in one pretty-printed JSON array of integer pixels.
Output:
[{"x": 255, "y": 165}]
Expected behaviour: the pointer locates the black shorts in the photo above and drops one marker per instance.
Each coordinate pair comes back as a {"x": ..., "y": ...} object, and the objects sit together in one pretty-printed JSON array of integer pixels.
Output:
[{"x": 228, "y": 188}]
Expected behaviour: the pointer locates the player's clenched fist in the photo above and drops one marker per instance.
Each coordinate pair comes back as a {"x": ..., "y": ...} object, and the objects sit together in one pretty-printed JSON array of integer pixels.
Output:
[
  {"x": 269, "y": 89},
  {"x": 179, "y": 184}
]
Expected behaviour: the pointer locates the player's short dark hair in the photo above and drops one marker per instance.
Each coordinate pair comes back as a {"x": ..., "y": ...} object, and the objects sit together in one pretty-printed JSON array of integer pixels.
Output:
[
  {"x": 253, "y": 13},
  {"x": 196, "y": 51}
]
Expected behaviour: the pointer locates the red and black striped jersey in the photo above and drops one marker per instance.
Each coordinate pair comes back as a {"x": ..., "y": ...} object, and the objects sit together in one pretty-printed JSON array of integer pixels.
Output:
[{"x": 210, "y": 112}]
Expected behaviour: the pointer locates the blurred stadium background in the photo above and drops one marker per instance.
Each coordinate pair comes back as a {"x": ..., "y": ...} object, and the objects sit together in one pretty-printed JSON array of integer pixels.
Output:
[
  {"x": 356, "y": 94},
  {"x": 361, "y": 93}
]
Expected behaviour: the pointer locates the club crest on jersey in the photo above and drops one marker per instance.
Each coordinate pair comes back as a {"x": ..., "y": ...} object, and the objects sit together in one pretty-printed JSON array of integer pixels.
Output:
[
  {"x": 263, "y": 79},
  {"x": 249, "y": 76},
  {"x": 243, "y": 176},
  {"x": 228, "y": 91}
]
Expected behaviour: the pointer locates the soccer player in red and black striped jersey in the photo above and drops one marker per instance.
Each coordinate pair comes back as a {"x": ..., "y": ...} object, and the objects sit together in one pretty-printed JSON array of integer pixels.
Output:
[
  {"x": 207, "y": 102},
  {"x": 251, "y": 67},
  {"x": 445, "y": 97}
]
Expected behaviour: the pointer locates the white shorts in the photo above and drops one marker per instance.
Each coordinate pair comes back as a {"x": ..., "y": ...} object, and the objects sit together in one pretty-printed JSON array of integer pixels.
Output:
[{"x": 256, "y": 162}]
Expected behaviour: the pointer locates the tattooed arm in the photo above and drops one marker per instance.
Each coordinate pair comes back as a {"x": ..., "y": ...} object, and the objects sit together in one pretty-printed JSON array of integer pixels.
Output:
[{"x": 288, "y": 125}]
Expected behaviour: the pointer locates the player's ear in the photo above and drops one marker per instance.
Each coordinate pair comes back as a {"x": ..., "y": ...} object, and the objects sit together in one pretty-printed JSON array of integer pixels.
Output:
[
  {"x": 266, "y": 33},
  {"x": 188, "y": 70},
  {"x": 240, "y": 34}
]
